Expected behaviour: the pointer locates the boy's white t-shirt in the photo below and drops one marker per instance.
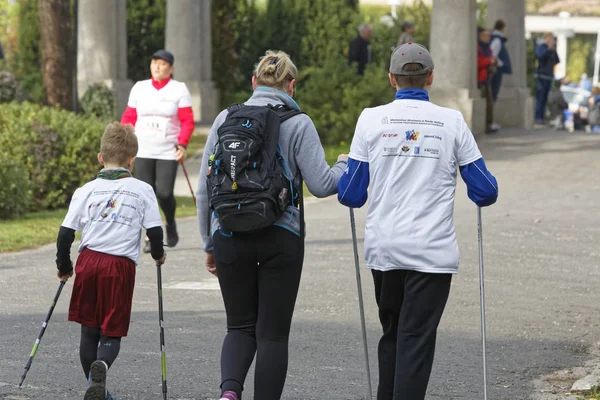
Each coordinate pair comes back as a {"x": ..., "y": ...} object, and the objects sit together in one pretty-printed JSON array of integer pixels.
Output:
[
  {"x": 158, "y": 126},
  {"x": 111, "y": 215},
  {"x": 413, "y": 148}
]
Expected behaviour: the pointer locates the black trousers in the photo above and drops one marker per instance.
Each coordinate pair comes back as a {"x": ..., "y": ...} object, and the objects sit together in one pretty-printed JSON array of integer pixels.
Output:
[
  {"x": 410, "y": 308},
  {"x": 259, "y": 275},
  {"x": 160, "y": 174}
]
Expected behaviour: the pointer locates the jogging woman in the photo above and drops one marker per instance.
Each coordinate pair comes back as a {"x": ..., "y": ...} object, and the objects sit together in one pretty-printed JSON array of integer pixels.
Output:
[
  {"x": 259, "y": 272},
  {"x": 160, "y": 108}
]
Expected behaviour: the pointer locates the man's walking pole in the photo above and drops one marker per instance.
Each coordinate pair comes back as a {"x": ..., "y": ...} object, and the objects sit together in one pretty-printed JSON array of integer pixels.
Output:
[
  {"x": 188, "y": 180},
  {"x": 482, "y": 297},
  {"x": 44, "y": 325},
  {"x": 161, "y": 320},
  {"x": 360, "y": 301}
]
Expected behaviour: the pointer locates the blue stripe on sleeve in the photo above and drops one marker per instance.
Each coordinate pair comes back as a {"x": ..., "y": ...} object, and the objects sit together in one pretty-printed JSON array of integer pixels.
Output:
[
  {"x": 482, "y": 187},
  {"x": 353, "y": 185}
]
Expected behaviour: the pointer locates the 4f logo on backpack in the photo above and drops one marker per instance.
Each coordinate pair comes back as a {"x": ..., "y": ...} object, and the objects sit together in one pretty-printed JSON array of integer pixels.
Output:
[
  {"x": 234, "y": 145},
  {"x": 247, "y": 124}
]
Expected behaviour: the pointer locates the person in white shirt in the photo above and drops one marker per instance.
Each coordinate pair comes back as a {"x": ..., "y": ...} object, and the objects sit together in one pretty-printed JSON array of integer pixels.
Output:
[
  {"x": 409, "y": 152},
  {"x": 160, "y": 108},
  {"x": 110, "y": 211}
]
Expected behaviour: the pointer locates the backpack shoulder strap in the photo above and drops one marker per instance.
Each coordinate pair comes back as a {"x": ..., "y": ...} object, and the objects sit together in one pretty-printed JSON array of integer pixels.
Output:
[
  {"x": 234, "y": 106},
  {"x": 285, "y": 112}
]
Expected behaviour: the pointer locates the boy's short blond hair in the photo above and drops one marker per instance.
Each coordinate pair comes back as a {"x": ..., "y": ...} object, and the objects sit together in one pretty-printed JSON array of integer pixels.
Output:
[{"x": 119, "y": 144}]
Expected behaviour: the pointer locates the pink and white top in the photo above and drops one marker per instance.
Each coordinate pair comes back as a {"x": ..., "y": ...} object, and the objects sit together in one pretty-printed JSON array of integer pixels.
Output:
[{"x": 161, "y": 113}]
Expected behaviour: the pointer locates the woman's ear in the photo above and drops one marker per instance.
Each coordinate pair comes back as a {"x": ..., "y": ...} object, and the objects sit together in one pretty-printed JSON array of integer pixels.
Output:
[
  {"x": 291, "y": 86},
  {"x": 131, "y": 163},
  {"x": 254, "y": 85}
]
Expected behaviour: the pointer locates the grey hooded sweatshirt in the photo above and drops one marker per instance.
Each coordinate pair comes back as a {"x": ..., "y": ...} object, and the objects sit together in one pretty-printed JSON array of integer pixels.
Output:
[{"x": 301, "y": 148}]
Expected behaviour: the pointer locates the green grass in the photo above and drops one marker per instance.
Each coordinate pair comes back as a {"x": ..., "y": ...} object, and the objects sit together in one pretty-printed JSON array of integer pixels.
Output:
[
  {"x": 39, "y": 228},
  {"x": 197, "y": 141},
  {"x": 593, "y": 395}
]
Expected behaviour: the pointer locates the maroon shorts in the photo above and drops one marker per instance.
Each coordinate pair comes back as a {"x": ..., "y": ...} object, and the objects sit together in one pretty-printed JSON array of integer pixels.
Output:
[{"x": 103, "y": 292}]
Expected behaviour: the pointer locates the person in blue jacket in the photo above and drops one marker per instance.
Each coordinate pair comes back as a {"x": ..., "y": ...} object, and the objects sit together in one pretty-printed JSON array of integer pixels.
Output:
[
  {"x": 499, "y": 51},
  {"x": 407, "y": 153},
  {"x": 547, "y": 58}
]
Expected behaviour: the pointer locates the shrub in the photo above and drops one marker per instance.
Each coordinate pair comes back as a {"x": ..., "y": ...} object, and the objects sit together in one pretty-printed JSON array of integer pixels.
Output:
[
  {"x": 99, "y": 101},
  {"x": 57, "y": 148},
  {"x": 10, "y": 89},
  {"x": 14, "y": 188}
]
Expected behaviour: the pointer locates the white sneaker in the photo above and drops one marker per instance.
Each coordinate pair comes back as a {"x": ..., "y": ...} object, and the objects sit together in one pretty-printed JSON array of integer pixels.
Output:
[{"x": 495, "y": 126}]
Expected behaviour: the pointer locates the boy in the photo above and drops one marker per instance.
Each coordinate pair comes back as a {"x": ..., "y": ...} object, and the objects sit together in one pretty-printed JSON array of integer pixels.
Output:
[
  {"x": 409, "y": 152},
  {"x": 110, "y": 211}
]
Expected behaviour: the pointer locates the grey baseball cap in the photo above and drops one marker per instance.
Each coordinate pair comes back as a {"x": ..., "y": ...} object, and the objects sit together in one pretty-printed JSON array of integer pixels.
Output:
[{"x": 410, "y": 53}]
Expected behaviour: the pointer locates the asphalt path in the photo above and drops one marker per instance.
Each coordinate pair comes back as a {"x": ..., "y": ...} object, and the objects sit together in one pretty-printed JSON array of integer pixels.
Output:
[{"x": 541, "y": 251}]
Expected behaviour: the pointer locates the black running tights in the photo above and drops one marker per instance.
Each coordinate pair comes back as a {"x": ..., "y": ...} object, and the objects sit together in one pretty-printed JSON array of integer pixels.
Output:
[
  {"x": 259, "y": 276},
  {"x": 160, "y": 174},
  {"x": 94, "y": 346}
]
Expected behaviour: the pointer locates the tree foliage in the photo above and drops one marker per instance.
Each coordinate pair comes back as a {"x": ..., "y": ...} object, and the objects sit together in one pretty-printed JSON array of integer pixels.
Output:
[
  {"x": 27, "y": 59},
  {"x": 145, "y": 34}
]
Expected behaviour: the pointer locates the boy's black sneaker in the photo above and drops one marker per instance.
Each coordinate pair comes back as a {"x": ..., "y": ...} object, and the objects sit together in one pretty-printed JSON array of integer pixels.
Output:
[
  {"x": 172, "y": 236},
  {"x": 97, "y": 388}
]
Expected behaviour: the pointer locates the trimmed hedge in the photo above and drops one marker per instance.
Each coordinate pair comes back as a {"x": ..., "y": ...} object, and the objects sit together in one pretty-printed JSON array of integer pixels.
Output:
[
  {"x": 58, "y": 148},
  {"x": 99, "y": 101},
  {"x": 15, "y": 195}
]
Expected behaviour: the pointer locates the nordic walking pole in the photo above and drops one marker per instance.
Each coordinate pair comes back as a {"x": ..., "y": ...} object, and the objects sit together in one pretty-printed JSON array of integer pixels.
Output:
[
  {"x": 188, "y": 180},
  {"x": 44, "y": 325},
  {"x": 482, "y": 297},
  {"x": 163, "y": 356},
  {"x": 360, "y": 300}
]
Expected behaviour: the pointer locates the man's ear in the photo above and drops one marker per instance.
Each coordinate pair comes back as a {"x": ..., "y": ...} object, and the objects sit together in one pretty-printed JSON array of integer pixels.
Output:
[
  {"x": 430, "y": 79},
  {"x": 254, "y": 84},
  {"x": 392, "y": 80},
  {"x": 100, "y": 160}
]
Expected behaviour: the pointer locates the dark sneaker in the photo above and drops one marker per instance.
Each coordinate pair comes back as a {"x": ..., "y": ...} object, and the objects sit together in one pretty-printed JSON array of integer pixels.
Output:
[
  {"x": 97, "y": 388},
  {"x": 147, "y": 246},
  {"x": 172, "y": 236}
]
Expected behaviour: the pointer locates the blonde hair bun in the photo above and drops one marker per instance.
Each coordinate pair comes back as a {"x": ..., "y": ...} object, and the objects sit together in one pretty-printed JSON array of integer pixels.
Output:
[{"x": 275, "y": 69}]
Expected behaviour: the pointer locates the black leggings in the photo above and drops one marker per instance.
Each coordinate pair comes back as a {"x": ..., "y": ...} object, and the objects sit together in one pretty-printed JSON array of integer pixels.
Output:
[
  {"x": 160, "y": 174},
  {"x": 95, "y": 346},
  {"x": 259, "y": 275}
]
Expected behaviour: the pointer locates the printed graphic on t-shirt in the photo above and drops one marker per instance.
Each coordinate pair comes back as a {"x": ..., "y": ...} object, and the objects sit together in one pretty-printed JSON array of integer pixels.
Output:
[
  {"x": 412, "y": 143},
  {"x": 116, "y": 210}
]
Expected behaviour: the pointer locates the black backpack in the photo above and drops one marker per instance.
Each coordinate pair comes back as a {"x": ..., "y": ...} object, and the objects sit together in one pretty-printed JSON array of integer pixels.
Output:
[{"x": 249, "y": 184}]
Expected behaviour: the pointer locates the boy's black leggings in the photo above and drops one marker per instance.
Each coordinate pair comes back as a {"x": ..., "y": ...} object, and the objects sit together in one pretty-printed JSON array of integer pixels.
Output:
[
  {"x": 160, "y": 174},
  {"x": 94, "y": 346},
  {"x": 259, "y": 274}
]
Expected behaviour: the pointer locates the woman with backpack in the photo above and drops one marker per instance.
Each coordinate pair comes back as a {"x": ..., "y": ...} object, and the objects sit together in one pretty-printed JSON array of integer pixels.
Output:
[{"x": 251, "y": 220}]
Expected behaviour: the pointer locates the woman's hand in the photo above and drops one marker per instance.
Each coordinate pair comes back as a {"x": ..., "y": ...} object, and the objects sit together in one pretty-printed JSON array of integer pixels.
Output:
[
  {"x": 210, "y": 263},
  {"x": 180, "y": 153}
]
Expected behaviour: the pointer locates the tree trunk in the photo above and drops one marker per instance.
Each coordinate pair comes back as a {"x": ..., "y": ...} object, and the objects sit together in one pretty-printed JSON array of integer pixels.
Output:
[{"x": 56, "y": 49}]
